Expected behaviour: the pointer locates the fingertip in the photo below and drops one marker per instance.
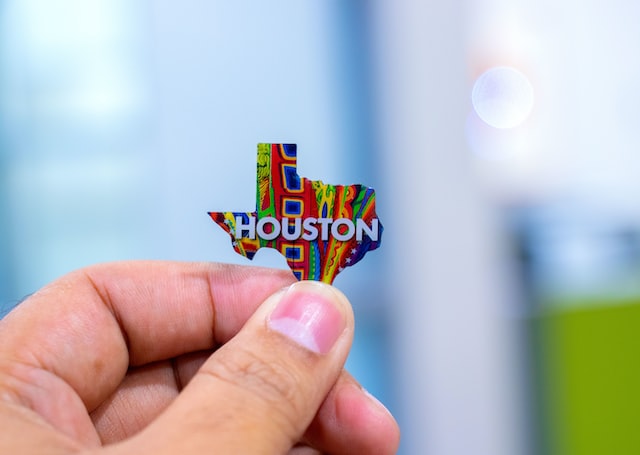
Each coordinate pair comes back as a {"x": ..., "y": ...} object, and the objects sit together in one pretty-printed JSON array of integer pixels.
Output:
[
  {"x": 368, "y": 420},
  {"x": 380, "y": 422},
  {"x": 351, "y": 420}
]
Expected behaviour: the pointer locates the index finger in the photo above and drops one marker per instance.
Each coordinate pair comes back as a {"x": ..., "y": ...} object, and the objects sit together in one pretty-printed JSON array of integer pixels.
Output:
[{"x": 89, "y": 326}]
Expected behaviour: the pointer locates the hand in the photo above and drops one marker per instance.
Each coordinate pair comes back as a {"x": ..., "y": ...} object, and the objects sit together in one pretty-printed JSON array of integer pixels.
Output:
[{"x": 161, "y": 357}]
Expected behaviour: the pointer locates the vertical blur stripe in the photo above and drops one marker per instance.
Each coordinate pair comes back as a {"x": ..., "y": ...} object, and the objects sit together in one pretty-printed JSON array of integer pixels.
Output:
[
  {"x": 455, "y": 345},
  {"x": 5, "y": 254},
  {"x": 6, "y": 277}
]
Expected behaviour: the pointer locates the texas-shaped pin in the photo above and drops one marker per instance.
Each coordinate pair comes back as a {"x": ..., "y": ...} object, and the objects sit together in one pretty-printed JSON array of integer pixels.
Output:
[{"x": 320, "y": 229}]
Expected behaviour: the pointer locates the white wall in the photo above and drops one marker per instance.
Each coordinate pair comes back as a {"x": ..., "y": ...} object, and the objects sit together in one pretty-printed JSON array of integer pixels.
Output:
[{"x": 454, "y": 343}]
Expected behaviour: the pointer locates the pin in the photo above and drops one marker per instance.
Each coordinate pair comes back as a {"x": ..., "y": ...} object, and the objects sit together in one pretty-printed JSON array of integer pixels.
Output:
[{"x": 320, "y": 229}]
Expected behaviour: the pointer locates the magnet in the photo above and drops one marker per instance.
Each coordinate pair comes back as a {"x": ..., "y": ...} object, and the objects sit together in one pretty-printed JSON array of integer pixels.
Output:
[{"x": 319, "y": 228}]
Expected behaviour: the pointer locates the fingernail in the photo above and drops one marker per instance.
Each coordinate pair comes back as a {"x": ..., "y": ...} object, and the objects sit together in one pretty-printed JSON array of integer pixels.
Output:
[{"x": 307, "y": 314}]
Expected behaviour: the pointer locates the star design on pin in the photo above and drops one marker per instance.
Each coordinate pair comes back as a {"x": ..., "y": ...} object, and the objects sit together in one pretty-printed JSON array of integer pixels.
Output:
[{"x": 319, "y": 228}]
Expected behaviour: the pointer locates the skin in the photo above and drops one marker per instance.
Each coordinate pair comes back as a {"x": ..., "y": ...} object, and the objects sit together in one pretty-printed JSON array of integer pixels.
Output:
[{"x": 164, "y": 357}]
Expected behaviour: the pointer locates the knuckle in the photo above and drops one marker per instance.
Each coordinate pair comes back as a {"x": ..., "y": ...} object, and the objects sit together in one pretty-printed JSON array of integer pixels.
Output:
[{"x": 271, "y": 381}]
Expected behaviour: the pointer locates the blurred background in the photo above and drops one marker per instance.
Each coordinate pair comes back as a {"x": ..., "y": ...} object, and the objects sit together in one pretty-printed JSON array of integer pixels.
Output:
[{"x": 500, "y": 316}]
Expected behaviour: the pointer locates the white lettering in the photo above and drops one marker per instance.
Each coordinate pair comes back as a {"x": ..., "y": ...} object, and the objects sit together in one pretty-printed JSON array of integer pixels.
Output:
[
  {"x": 275, "y": 228},
  {"x": 286, "y": 228},
  {"x": 324, "y": 225},
  {"x": 362, "y": 228},
  {"x": 341, "y": 229},
  {"x": 335, "y": 229},
  {"x": 310, "y": 229},
  {"x": 241, "y": 227}
]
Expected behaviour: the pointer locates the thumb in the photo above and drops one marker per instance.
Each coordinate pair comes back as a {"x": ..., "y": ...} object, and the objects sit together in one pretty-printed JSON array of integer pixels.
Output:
[{"x": 261, "y": 390}]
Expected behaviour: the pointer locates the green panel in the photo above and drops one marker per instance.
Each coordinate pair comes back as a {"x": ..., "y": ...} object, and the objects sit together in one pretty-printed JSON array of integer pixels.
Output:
[{"x": 591, "y": 378}]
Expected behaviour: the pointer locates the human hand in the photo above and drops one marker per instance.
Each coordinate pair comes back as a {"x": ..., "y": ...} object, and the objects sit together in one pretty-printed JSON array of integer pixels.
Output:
[{"x": 162, "y": 357}]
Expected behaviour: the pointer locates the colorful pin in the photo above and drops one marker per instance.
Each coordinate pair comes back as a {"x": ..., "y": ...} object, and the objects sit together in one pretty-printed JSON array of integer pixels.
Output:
[{"x": 320, "y": 229}]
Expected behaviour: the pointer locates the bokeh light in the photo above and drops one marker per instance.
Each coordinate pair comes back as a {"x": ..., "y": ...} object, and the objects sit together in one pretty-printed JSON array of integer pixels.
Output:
[{"x": 502, "y": 97}]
